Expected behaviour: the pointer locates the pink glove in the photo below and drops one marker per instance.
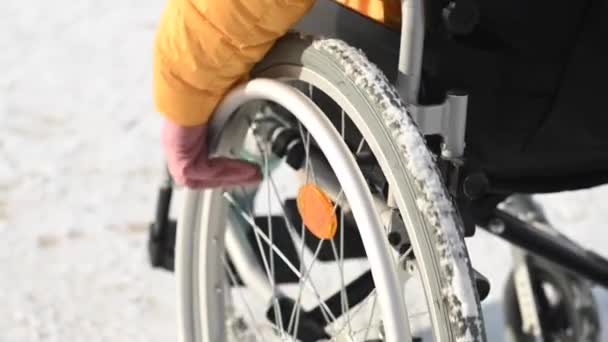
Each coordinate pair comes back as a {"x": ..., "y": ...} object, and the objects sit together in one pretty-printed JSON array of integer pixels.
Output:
[{"x": 189, "y": 163}]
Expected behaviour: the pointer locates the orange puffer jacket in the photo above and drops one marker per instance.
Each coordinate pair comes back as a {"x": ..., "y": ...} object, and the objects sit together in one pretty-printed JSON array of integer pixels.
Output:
[{"x": 204, "y": 47}]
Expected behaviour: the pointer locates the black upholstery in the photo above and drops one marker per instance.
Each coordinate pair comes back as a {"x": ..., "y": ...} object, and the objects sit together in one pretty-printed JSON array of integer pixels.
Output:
[{"x": 536, "y": 72}]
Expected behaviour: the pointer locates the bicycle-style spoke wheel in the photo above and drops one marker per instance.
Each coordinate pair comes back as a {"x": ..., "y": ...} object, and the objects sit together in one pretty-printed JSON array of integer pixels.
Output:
[{"x": 350, "y": 237}]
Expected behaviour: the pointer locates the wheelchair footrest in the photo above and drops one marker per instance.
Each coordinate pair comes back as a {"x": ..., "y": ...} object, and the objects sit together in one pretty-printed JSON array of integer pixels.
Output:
[{"x": 161, "y": 245}]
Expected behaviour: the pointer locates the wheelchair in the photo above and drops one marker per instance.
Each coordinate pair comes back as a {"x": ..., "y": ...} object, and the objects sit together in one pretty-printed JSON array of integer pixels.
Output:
[{"x": 357, "y": 232}]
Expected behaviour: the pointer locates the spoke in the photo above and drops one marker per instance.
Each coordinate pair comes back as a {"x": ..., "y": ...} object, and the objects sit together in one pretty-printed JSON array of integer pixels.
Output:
[
  {"x": 360, "y": 147},
  {"x": 342, "y": 249},
  {"x": 307, "y": 166},
  {"x": 419, "y": 313},
  {"x": 371, "y": 316},
  {"x": 306, "y": 139},
  {"x": 288, "y": 223},
  {"x": 232, "y": 277},
  {"x": 342, "y": 124},
  {"x": 375, "y": 326},
  {"x": 343, "y": 296},
  {"x": 311, "y": 89}
]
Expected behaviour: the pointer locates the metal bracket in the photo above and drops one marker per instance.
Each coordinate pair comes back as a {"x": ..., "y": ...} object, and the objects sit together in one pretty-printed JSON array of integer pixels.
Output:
[
  {"x": 396, "y": 232},
  {"x": 448, "y": 120}
]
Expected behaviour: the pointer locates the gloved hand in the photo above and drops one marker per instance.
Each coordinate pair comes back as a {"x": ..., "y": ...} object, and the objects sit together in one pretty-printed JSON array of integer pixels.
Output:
[{"x": 187, "y": 156}]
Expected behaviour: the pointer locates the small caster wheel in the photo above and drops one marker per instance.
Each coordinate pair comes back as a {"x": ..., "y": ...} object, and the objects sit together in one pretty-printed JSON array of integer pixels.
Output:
[{"x": 565, "y": 309}]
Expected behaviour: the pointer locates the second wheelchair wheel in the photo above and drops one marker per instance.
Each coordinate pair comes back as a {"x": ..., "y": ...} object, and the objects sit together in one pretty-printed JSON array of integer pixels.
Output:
[
  {"x": 350, "y": 237},
  {"x": 543, "y": 301},
  {"x": 563, "y": 306}
]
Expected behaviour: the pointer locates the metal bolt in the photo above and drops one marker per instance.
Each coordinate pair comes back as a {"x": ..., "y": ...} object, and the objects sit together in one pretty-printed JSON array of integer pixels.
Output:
[
  {"x": 394, "y": 238},
  {"x": 240, "y": 325},
  {"x": 409, "y": 266},
  {"x": 496, "y": 226}
]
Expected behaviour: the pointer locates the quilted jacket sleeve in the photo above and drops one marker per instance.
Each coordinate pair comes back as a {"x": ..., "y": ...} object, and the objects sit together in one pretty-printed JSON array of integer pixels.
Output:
[{"x": 204, "y": 47}]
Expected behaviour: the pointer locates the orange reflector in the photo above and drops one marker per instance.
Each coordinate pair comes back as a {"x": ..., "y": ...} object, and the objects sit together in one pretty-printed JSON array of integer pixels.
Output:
[{"x": 317, "y": 211}]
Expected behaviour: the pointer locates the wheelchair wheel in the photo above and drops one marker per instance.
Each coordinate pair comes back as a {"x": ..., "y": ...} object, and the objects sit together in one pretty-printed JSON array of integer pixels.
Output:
[
  {"x": 564, "y": 303},
  {"x": 541, "y": 299},
  {"x": 386, "y": 262}
]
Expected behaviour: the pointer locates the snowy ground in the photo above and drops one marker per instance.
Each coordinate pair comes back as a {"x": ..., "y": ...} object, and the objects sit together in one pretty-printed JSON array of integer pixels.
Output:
[{"x": 79, "y": 162}]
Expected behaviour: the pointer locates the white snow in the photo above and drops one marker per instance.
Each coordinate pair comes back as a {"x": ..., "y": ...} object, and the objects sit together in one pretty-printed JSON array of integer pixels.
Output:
[
  {"x": 581, "y": 215},
  {"x": 79, "y": 164}
]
